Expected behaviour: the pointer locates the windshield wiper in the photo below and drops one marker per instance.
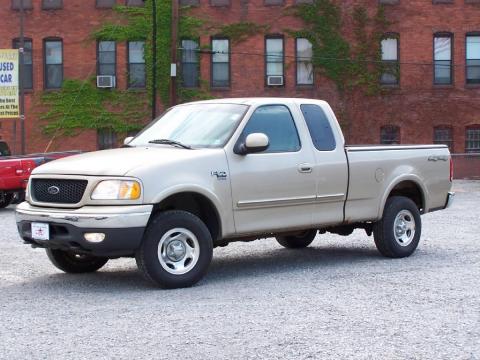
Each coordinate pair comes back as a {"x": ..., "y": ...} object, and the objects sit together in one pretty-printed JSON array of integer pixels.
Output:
[{"x": 169, "y": 142}]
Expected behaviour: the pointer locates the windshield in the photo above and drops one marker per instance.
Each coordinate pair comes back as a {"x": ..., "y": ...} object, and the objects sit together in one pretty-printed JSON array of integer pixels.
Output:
[{"x": 195, "y": 125}]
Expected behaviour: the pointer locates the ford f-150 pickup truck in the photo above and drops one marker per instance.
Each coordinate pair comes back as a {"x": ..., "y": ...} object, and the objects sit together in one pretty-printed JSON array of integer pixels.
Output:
[{"x": 208, "y": 173}]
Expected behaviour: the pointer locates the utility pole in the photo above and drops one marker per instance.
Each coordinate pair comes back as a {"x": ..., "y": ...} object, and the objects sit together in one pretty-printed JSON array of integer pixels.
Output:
[
  {"x": 20, "y": 80},
  {"x": 174, "y": 50},
  {"x": 154, "y": 59}
]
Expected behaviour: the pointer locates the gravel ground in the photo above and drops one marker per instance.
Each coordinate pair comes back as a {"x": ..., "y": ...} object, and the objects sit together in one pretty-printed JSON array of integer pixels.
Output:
[{"x": 335, "y": 299}]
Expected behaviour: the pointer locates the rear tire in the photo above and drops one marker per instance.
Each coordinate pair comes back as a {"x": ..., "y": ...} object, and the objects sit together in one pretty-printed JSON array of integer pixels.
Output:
[
  {"x": 297, "y": 241},
  {"x": 397, "y": 234},
  {"x": 176, "y": 251},
  {"x": 75, "y": 263},
  {"x": 5, "y": 200}
]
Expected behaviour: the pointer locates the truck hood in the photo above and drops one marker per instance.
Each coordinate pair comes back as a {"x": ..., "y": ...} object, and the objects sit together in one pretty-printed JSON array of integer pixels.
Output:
[{"x": 118, "y": 162}]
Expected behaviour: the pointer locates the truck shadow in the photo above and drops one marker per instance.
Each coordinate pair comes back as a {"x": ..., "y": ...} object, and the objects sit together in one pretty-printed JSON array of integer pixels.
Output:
[
  {"x": 224, "y": 268},
  {"x": 279, "y": 261}
]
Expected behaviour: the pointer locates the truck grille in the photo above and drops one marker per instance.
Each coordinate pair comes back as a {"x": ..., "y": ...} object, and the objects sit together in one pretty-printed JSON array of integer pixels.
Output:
[{"x": 60, "y": 191}]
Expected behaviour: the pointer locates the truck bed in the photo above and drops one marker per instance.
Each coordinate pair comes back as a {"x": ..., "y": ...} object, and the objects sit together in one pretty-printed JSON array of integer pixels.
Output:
[{"x": 373, "y": 169}]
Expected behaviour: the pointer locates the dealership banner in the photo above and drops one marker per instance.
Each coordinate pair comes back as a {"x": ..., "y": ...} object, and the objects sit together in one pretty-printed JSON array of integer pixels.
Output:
[{"x": 9, "y": 84}]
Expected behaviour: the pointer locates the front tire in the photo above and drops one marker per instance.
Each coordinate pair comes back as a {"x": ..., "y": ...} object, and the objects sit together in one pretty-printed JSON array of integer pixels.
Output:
[
  {"x": 75, "y": 263},
  {"x": 176, "y": 251},
  {"x": 397, "y": 234},
  {"x": 297, "y": 241}
]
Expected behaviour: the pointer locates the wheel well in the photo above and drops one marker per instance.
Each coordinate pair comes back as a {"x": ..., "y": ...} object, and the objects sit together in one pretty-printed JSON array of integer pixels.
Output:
[
  {"x": 194, "y": 203},
  {"x": 410, "y": 190}
]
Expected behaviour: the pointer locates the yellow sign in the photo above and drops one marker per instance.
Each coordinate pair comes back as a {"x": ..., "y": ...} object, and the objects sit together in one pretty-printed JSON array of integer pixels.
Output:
[{"x": 9, "y": 84}]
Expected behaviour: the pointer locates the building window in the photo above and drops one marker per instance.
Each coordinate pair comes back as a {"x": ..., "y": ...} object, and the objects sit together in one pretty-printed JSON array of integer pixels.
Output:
[
  {"x": 473, "y": 59},
  {"x": 106, "y": 58},
  {"x": 106, "y": 4},
  {"x": 189, "y": 2},
  {"x": 135, "y": 2},
  {"x": 27, "y": 62},
  {"x": 472, "y": 140},
  {"x": 274, "y": 57},
  {"x": 220, "y": 63},
  {"x": 389, "y": 135},
  {"x": 52, "y": 4},
  {"x": 53, "y": 60},
  {"x": 190, "y": 63},
  {"x": 136, "y": 64},
  {"x": 220, "y": 2},
  {"x": 442, "y": 53},
  {"x": 390, "y": 64},
  {"x": 27, "y": 4},
  {"x": 273, "y": 2},
  {"x": 304, "y": 52},
  {"x": 443, "y": 135},
  {"x": 106, "y": 139}
]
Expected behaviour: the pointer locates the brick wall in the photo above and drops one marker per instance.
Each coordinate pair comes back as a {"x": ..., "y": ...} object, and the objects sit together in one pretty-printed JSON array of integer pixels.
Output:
[{"x": 416, "y": 105}]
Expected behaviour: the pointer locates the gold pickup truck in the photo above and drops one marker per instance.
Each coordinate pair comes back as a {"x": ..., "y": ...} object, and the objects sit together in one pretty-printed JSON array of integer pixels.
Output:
[{"x": 207, "y": 173}]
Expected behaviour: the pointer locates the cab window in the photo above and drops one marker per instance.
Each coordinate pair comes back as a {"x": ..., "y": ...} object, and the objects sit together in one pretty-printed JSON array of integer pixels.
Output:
[
  {"x": 277, "y": 123},
  {"x": 319, "y": 127}
]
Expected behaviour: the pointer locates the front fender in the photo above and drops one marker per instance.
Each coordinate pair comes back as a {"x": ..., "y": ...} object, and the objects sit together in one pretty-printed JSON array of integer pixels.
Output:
[{"x": 224, "y": 211}]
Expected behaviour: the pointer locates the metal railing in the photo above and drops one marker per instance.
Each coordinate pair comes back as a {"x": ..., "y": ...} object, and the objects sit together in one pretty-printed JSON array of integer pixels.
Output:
[{"x": 466, "y": 166}]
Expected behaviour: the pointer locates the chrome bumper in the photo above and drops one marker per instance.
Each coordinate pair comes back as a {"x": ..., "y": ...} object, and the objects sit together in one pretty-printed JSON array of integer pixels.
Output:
[
  {"x": 450, "y": 197},
  {"x": 110, "y": 217}
]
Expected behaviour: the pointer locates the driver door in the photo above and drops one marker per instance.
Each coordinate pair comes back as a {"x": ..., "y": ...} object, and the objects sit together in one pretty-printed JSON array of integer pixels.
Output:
[{"x": 274, "y": 189}]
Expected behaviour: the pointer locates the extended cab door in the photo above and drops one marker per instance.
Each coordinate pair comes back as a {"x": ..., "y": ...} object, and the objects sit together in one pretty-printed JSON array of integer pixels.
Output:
[
  {"x": 273, "y": 189},
  {"x": 331, "y": 167}
]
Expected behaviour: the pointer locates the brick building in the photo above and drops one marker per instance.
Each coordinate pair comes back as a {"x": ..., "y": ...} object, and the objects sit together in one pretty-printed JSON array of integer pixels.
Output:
[{"x": 433, "y": 98}]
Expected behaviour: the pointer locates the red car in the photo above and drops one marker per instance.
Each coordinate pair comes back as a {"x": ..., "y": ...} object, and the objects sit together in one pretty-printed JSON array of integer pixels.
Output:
[{"x": 15, "y": 171}]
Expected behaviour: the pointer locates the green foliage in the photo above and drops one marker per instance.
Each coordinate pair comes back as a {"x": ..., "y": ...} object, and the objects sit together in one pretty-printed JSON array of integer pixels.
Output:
[
  {"x": 193, "y": 94},
  {"x": 133, "y": 23},
  {"x": 164, "y": 41},
  {"x": 367, "y": 65},
  {"x": 81, "y": 105},
  {"x": 189, "y": 26},
  {"x": 348, "y": 65},
  {"x": 323, "y": 28},
  {"x": 241, "y": 31}
]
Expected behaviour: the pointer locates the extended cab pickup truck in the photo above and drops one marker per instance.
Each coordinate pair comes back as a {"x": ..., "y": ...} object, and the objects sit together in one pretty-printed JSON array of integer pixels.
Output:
[{"x": 208, "y": 173}]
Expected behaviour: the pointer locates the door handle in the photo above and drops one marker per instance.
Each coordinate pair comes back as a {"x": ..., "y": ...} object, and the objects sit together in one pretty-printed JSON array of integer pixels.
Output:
[{"x": 305, "y": 168}]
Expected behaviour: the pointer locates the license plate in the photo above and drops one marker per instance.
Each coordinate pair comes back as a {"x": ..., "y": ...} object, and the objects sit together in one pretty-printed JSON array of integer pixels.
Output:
[{"x": 40, "y": 231}]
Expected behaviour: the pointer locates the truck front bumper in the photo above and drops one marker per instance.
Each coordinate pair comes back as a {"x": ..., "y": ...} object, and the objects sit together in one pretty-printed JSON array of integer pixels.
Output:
[{"x": 123, "y": 227}]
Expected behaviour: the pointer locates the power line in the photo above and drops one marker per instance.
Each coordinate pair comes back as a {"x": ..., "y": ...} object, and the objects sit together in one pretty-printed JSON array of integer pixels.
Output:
[{"x": 368, "y": 61}]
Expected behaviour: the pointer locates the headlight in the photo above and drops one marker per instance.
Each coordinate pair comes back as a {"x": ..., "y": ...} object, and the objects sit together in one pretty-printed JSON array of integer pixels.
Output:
[{"x": 117, "y": 190}]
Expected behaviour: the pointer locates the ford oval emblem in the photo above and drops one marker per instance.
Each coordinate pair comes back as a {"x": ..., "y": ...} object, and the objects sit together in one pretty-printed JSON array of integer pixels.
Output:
[{"x": 53, "y": 190}]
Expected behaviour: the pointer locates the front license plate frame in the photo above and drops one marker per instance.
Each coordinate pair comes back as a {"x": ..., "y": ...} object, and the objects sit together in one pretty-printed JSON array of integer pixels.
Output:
[{"x": 40, "y": 231}]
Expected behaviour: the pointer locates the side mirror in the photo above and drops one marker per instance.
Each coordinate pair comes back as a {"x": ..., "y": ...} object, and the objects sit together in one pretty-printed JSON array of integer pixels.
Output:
[
  {"x": 127, "y": 140},
  {"x": 254, "y": 143}
]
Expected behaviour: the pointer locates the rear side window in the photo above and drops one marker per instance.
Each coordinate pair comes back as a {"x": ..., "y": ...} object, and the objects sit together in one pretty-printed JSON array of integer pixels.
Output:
[
  {"x": 277, "y": 123},
  {"x": 319, "y": 127}
]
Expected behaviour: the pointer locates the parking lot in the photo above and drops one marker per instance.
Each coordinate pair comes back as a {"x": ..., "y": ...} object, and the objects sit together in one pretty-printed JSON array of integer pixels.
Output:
[{"x": 336, "y": 299}]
